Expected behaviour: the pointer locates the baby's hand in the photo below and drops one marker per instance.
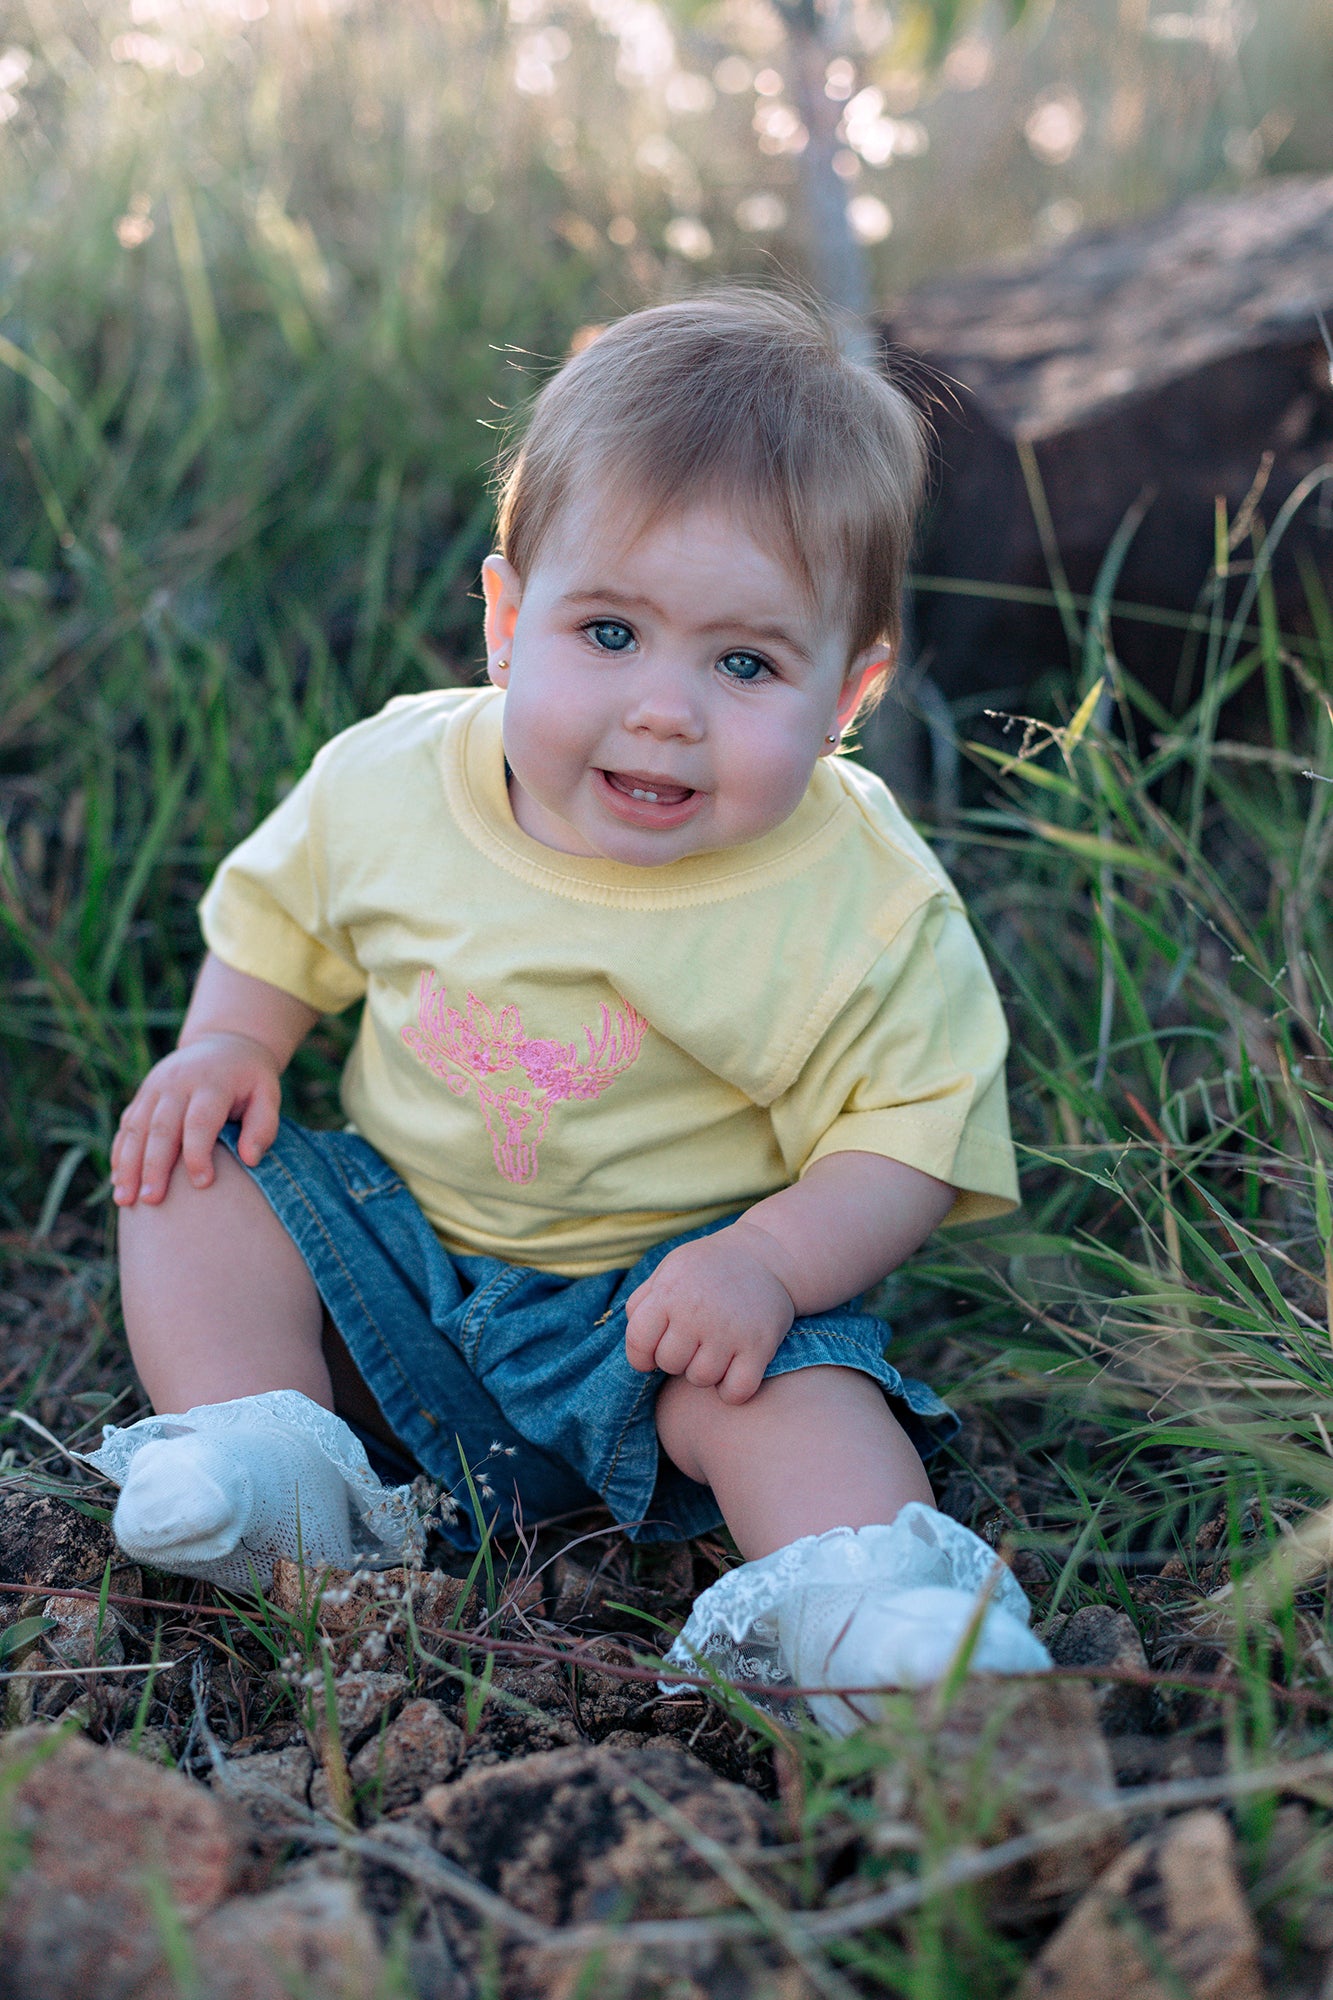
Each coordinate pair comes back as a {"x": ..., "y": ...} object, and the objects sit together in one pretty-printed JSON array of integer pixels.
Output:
[
  {"x": 181, "y": 1106},
  {"x": 714, "y": 1312}
]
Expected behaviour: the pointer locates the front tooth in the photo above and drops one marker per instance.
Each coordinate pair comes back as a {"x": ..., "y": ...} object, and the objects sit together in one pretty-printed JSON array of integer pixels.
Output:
[{"x": 638, "y": 794}]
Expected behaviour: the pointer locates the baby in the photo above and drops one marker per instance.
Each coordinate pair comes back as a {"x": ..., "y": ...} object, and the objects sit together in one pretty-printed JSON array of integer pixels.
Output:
[{"x": 675, "y": 1040}]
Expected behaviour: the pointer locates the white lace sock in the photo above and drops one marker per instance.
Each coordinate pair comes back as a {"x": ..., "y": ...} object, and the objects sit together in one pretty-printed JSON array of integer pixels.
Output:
[
  {"x": 860, "y": 1607},
  {"x": 223, "y": 1490}
]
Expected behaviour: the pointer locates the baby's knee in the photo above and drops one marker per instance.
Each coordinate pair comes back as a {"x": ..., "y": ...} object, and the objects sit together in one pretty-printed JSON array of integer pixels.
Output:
[
  {"x": 693, "y": 1420},
  {"x": 695, "y": 1423},
  {"x": 682, "y": 1412},
  {"x": 184, "y": 1201}
]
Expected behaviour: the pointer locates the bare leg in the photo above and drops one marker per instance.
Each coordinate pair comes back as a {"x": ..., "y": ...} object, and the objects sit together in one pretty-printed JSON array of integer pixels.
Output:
[
  {"x": 218, "y": 1300},
  {"x": 221, "y": 1310},
  {"x": 813, "y": 1450}
]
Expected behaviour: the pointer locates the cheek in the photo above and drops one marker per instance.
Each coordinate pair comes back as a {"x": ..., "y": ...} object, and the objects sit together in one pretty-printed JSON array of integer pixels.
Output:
[
  {"x": 769, "y": 761},
  {"x": 548, "y": 719}
]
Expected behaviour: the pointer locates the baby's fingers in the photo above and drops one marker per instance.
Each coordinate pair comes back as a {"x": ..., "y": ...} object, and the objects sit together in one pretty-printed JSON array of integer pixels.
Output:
[
  {"x": 742, "y": 1378},
  {"x": 205, "y": 1116},
  {"x": 710, "y": 1364},
  {"x": 127, "y": 1154},
  {"x": 161, "y": 1150},
  {"x": 676, "y": 1349},
  {"x": 644, "y": 1328},
  {"x": 259, "y": 1124}
]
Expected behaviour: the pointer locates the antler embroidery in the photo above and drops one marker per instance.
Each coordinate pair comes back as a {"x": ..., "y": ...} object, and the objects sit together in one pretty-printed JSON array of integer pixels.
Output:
[{"x": 465, "y": 1049}]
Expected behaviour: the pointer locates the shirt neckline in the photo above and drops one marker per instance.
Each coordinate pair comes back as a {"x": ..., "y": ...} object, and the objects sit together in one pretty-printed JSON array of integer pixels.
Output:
[{"x": 474, "y": 775}]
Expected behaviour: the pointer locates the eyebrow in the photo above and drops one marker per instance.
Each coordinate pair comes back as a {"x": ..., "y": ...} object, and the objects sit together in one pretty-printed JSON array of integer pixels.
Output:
[
  {"x": 608, "y": 594},
  {"x": 629, "y": 601}
]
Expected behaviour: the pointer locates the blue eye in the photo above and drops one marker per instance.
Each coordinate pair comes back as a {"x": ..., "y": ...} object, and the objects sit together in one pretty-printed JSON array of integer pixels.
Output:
[
  {"x": 743, "y": 667},
  {"x": 611, "y": 634}
]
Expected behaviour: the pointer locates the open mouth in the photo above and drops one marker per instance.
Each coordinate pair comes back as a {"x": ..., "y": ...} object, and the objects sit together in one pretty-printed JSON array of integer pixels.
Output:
[
  {"x": 656, "y": 791},
  {"x": 649, "y": 800}
]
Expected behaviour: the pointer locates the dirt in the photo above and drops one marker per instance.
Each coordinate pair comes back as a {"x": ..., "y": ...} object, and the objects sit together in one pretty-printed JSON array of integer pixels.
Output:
[
  {"x": 572, "y": 1789},
  {"x": 45, "y": 1541},
  {"x": 579, "y": 1835}
]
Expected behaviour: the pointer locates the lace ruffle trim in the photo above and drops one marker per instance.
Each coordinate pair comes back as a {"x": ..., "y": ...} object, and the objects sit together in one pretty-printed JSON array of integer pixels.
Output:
[
  {"x": 733, "y": 1627},
  {"x": 385, "y": 1522}
]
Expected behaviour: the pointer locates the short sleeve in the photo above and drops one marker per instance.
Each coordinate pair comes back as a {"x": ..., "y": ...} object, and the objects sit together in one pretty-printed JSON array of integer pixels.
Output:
[
  {"x": 912, "y": 1067},
  {"x": 266, "y": 910}
]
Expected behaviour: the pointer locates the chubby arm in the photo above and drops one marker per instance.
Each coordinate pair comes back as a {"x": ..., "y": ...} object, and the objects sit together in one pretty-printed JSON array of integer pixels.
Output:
[
  {"x": 716, "y": 1310},
  {"x": 239, "y": 1036}
]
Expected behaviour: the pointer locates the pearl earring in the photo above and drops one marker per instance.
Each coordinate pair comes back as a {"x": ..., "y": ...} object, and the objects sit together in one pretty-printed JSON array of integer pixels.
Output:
[
  {"x": 502, "y": 666},
  {"x": 831, "y": 739}
]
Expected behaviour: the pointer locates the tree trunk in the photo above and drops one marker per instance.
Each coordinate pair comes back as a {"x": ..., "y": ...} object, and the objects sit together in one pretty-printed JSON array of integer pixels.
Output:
[{"x": 836, "y": 261}]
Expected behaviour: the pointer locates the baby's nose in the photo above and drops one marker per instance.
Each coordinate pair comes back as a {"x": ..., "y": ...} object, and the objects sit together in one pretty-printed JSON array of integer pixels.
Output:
[{"x": 665, "y": 706}]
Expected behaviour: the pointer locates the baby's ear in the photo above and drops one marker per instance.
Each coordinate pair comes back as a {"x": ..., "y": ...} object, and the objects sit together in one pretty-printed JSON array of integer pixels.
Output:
[
  {"x": 875, "y": 662},
  {"x": 504, "y": 593}
]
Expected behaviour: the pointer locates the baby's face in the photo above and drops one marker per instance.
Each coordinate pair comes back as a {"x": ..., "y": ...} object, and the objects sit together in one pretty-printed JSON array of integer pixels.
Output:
[{"x": 665, "y": 695}]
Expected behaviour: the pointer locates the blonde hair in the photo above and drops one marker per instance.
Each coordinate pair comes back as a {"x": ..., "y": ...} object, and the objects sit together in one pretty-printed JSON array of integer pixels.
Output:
[{"x": 739, "y": 396}]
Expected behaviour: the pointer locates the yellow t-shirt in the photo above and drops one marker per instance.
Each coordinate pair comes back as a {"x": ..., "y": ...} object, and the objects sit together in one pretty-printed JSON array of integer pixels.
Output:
[{"x": 569, "y": 1060}]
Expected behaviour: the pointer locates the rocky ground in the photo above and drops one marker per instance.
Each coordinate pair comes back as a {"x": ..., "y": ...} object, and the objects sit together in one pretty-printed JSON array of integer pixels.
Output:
[
  {"x": 461, "y": 1786},
  {"x": 380, "y": 1784}
]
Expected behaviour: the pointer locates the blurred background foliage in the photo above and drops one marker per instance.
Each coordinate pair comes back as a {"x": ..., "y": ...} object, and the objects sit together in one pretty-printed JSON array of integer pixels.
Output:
[
  {"x": 275, "y": 274},
  {"x": 268, "y": 270},
  {"x": 257, "y": 243}
]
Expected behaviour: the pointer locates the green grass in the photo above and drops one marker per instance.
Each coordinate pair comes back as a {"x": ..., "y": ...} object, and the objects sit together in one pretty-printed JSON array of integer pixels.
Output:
[{"x": 243, "y": 496}]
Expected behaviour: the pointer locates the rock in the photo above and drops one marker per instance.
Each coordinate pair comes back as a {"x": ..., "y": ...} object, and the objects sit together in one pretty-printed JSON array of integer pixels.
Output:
[
  {"x": 362, "y": 1700},
  {"x": 985, "y": 1473},
  {"x": 102, "y": 1831},
  {"x": 361, "y": 1697},
  {"x": 296, "y": 1585},
  {"x": 45, "y": 1541},
  {"x": 310, "y": 1937},
  {"x": 127, "y": 1581},
  {"x": 562, "y": 1836},
  {"x": 982, "y": 1472},
  {"x": 632, "y": 1740},
  {"x": 1167, "y": 1921},
  {"x": 521, "y": 1598},
  {"x": 280, "y": 1734},
  {"x": 580, "y": 1597},
  {"x": 364, "y": 1613},
  {"x": 273, "y": 1786},
  {"x": 419, "y": 1749},
  {"x": 80, "y": 1638},
  {"x": 442, "y": 1604},
  {"x": 1159, "y": 358},
  {"x": 1006, "y": 1758},
  {"x": 528, "y": 1709},
  {"x": 433, "y": 1971},
  {"x": 1097, "y": 1635},
  {"x": 159, "y": 1746}
]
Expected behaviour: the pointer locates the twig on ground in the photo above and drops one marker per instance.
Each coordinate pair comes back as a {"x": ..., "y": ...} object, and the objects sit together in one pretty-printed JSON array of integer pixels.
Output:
[
  {"x": 583, "y": 1661},
  {"x": 63, "y": 1673},
  {"x": 21, "y": 1417},
  {"x": 974, "y": 1867},
  {"x": 776, "y": 1921},
  {"x": 883, "y": 1908},
  {"x": 406, "y": 1851}
]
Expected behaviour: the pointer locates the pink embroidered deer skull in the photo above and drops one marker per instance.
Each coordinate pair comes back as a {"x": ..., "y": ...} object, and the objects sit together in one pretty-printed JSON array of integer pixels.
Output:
[{"x": 474, "y": 1046}]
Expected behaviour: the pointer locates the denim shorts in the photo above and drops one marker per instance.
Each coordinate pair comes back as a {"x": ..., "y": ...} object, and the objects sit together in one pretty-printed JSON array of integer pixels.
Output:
[{"x": 520, "y": 1374}]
